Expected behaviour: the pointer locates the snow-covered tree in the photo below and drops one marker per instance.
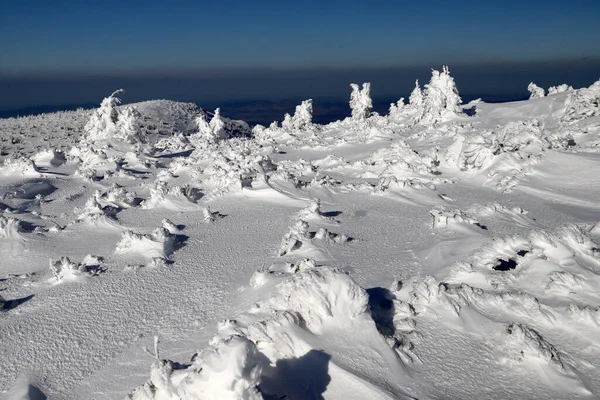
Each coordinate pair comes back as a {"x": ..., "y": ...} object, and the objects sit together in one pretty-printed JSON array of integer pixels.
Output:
[
  {"x": 103, "y": 122},
  {"x": 360, "y": 101},
  {"x": 416, "y": 97},
  {"x": 218, "y": 125},
  {"x": 441, "y": 92},
  {"x": 209, "y": 132},
  {"x": 128, "y": 125},
  {"x": 302, "y": 118},
  {"x": 536, "y": 91},
  {"x": 440, "y": 96},
  {"x": 204, "y": 128}
]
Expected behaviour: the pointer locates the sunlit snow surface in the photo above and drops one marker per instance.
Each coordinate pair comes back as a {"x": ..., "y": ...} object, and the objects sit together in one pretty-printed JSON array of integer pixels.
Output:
[{"x": 156, "y": 251}]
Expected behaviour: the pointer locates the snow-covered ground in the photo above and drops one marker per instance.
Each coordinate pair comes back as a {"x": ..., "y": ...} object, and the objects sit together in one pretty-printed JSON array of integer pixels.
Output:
[{"x": 158, "y": 251}]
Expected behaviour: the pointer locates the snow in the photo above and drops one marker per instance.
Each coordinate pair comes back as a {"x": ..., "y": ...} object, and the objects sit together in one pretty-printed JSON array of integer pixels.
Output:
[{"x": 428, "y": 253}]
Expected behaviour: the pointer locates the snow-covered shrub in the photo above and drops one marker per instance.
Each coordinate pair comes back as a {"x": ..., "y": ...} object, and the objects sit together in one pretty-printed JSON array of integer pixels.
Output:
[
  {"x": 158, "y": 194},
  {"x": 360, "y": 101},
  {"x": 396, "y": 108},
  {"x": 173, "y": 144},
  {"x": 294, "y": 238},
  {"x": 15, "y": 165},
  {"x": 302, "y": 118},
  {"x": 559, "y": 89},
  {"x": 536, "y": 91},
  {"x": 234, "y": 164},
  {"x": 397, "y": 158},
  {"x": 118, "y": 197}
]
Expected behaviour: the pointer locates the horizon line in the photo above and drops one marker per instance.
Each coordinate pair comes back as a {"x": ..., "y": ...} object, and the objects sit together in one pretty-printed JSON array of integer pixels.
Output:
[{"x": 78, "y": 73}]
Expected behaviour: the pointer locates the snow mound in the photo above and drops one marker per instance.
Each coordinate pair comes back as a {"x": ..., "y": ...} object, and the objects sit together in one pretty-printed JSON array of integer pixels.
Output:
[
  {"x": 160, "y": 243},
  {"x": 524, "y": 343},
  {"x": 397, "y": 160},
  {"x": 49, "y": 158},
  {"x": 228, "y": 369},
  {"x": 240, "y": 360},
  {"x": 441, "y": 218}
]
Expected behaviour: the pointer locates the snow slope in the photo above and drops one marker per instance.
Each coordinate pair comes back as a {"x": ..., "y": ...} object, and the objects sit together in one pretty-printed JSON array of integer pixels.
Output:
[{"x": 158, "y": 251}]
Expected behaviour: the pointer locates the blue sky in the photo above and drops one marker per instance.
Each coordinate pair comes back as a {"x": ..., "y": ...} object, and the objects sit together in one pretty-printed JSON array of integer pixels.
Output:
[{"x": 85, "y": 36}]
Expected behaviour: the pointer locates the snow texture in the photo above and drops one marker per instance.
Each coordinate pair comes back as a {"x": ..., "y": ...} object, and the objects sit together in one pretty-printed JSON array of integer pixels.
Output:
[{"x": 427, "y": 253}]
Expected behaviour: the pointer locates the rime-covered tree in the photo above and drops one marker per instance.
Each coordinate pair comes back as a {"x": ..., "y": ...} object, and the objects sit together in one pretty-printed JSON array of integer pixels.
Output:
[
  {"x": 209, "y": 132},
  {"x": 128, "y": 125},
  {"x": 416, "y": 97},
  {"x": 204, "y": 129},
  {"x": 217, "y": 125},
  {"x": 103, "y": 122},
  {"x": 302, "y": 118},
  {"x": 396, "y": 108},
  {"x": 439, "y": 97},
  {"x": 536, "y": 91},
  {"x": 441, "y": 92},
  {"x": 360, "y": 101}
]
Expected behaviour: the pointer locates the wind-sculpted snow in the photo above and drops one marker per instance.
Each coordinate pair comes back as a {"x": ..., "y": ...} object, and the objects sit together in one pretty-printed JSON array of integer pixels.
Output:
[
  {"x": 439, "y": 251},
  {"x": 161, "y": 243},
  {"x": 66, "y": 270},
  {"x": 583, "y": 103},
  {"x": 238, "y": 364},
  {"x": 10, "y": 228}
]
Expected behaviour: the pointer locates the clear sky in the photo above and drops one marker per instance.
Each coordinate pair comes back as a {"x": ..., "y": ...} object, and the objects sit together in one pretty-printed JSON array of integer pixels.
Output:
[
  {"x": 131, "y": 35},
  {"x": 68, "y": 52}
]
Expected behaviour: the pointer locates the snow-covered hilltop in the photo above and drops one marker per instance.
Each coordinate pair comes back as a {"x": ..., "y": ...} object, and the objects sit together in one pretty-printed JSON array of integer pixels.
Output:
[{"x": 439, "y": 251}]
